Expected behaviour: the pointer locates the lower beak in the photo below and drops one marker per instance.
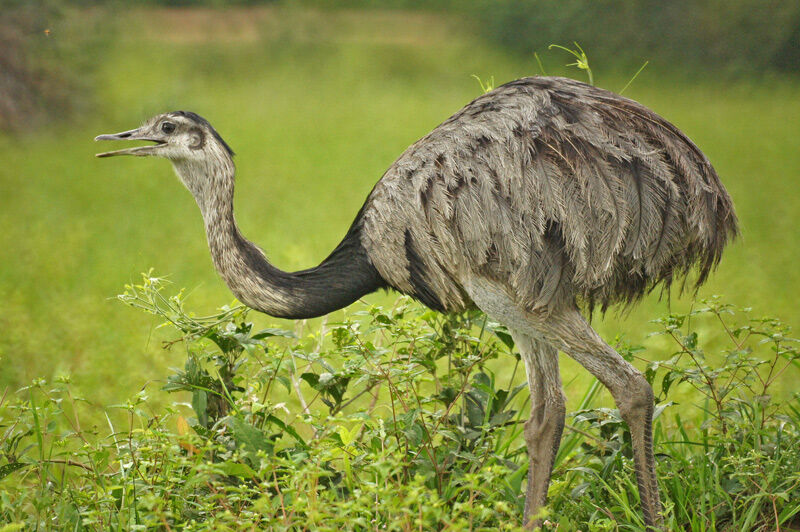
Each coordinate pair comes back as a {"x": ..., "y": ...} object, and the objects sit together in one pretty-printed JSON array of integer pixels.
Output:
[{"x": 133, "y": 134}]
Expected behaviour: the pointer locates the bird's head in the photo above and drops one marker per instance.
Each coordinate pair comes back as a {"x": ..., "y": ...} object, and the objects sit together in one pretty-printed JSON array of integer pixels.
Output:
[{"x": 192, "y": 145}]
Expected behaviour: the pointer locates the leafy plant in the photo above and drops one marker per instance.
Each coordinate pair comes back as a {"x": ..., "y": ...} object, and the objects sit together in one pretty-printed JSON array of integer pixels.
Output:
[
  {"x": 400, "y": 418},
  {"x": 581, "y": 60},
  {"x": 726, "y": 447}
]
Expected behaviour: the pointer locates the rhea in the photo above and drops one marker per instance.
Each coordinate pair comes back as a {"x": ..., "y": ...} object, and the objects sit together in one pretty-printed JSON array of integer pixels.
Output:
[{"x": 535, "y": 203}]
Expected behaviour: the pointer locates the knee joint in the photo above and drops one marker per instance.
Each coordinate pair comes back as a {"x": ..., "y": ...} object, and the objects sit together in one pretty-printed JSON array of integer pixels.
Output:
[
  {"x": 546, "y": 417},
  {"x": 636, "y": 397}
]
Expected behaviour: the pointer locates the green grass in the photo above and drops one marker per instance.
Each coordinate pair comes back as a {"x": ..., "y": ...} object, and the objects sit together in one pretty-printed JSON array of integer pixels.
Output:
[
  {"x": 402, "y": 425},
  {"x": 316, "y": 106}
]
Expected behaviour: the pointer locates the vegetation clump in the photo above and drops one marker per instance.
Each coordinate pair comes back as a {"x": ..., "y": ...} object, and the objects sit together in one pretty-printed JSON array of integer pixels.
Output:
[{"x": 401, "y": 419}]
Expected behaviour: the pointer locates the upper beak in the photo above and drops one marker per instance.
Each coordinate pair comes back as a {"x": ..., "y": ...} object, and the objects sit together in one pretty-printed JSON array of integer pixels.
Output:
[{"x": 133, "y": 134}]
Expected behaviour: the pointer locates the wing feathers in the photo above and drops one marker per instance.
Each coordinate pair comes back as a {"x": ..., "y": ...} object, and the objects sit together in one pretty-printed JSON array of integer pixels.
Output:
[{"x": 559, "y": 189}]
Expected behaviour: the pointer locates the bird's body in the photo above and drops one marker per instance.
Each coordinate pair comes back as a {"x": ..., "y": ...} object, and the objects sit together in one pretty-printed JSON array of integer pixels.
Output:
[
  {"x": 537, "y": 197},
  {"x": 553, "y": 188}
]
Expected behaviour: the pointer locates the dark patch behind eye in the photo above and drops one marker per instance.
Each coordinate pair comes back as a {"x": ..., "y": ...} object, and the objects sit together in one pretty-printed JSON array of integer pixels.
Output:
[
  {"x": 203, "y": 122},
  {"x": 201, "y": 138}
]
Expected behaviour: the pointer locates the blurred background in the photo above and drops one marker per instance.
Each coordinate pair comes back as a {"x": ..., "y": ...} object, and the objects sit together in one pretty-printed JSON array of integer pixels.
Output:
[{"x": 318, "y": 98}]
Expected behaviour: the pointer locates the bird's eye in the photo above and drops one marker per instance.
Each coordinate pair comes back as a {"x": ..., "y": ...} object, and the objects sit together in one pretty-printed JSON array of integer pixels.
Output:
[{"x": 167, "y": 127}]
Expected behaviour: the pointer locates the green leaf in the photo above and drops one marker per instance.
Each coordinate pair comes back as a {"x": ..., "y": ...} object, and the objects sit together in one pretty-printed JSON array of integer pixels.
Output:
[
  {"x": 248, "y": 437},
  {"x": 660, "y": 408},
  {"x": 311, "y": 378},
  {"x": 237, "y": 469},
  {"x": 474, "y": 410},
  {"x": 11, "y": 467},
  {"x": 266, "y": 333},
  {"x": 505, "y": 338},
  {"x": 383, "y": 318},
  {"x": 200, "y": 406},
  {"x": 690, "y": 340},
  {"x": 348, "y": 436},
  {"x": 501, "y": 418},
  {"x": 288, "y": 429},
  {"x": 285, "y": 381},
  {"x": 447, "y": 395}
]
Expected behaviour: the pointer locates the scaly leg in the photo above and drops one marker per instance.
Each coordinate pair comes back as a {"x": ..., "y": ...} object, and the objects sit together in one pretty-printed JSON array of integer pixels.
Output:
[
  {"x": 546, "y": 423},
  {"x": 631, "y": 392},
  {"x": 566, "y": 330}
]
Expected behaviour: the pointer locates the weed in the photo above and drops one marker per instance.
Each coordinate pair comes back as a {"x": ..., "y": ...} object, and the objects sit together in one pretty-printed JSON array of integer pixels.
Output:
[
  {"x": 581, "y": 60},
  {"x": 392, "y": 419}
]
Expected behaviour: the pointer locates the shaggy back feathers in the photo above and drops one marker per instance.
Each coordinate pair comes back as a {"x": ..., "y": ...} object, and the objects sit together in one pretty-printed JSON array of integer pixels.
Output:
[{"x": 555, "y": 188}]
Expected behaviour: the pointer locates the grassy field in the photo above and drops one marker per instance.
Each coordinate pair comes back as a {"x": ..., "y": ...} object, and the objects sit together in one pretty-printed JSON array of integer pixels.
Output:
[{"x": 316, "y": 106}]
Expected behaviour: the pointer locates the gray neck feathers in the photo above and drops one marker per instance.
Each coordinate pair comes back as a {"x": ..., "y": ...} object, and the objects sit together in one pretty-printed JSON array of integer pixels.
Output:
[{"x": 346, "y": 275}]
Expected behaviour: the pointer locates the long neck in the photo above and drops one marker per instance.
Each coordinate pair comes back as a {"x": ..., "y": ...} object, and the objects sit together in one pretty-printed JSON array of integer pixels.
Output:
[{"x": 346, "y": 275}]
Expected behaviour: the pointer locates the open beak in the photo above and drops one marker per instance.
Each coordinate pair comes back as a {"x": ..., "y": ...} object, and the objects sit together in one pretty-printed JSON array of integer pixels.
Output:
[{"x": 133, "y": 134}]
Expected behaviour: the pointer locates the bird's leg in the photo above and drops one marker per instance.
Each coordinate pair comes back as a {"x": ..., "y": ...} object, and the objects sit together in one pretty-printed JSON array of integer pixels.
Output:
[
  {"x": 636, "y": 407},
  {"x": 631, "y": 392},
  {"x": 567, "y": 331},
  {"x": 546, "y": 423}
]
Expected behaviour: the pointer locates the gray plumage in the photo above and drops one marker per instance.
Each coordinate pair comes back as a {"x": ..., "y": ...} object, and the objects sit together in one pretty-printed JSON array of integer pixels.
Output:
[
  {"x": 537, "y": 197},
  {"x": 554, "y": 187}
]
